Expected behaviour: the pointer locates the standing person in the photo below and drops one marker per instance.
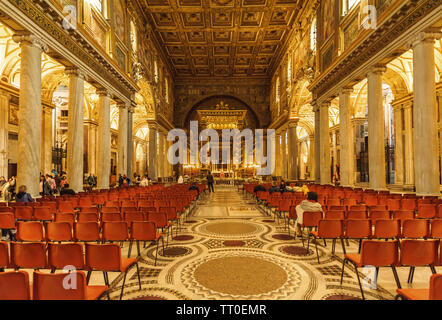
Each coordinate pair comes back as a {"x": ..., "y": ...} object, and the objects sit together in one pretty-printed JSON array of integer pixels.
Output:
[
  {"x": 210, "y": 181},
  {"x": 46, "y": 187},
  {"x": 11, "y": 188},
  {"x": 90, "y": 180},
  {"x": 23, "y": 196}
]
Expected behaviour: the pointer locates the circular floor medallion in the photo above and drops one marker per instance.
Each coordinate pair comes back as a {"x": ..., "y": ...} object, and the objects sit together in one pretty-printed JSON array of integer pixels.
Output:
[
  {"x": 296, "y": 251},
  {"x": 174, "y": 252},
  {"x": 183, "y": 237},
  {"x": 282, "y": 237},
  {"x": 230, "y": 228},
  {"x": 240, "y": 275}
]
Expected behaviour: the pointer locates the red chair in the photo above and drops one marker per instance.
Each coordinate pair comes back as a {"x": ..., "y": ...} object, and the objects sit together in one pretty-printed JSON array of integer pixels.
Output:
[
  {"x": 30, "y": 231},
  {"x": 408, "y": 204},
  {"x": 358, "y": 208},
  {"x": 329, "y": 229},
  {"x": 24, "y": 213},
  {"x": 43, "y": 213},
  {"x": 58, "y": 231},
  {"x": 358, "y": 229},
  {"x": 14, "y": 285},
  {"x": 426, "y": 211},
  {"x": 415, "y": 228},
  {"x": 29, "y": 255},
  {"x": 144, "y": 231},
  {"x": 110, "y": 217},
  {"x": 310, "y": 220},
  {"x": 87, "y": 231},
  {"x": 110, "y": 210},
  {"x": 357, "y": 215},
  {"x": 417, "y": 253},
  {"x": 115, "y": 204},
  {"x": 379, "y": 215},
  {"x": 333, "y": 202},
  {"x": 85, "y": 202},
  {"x": 89, "y": 209},
  {"x": 376, "y": 254},
  {"x": 433, "y": 293},
  {"x": 65, "y": 217},
  {"x": 292, "y": 215},
  {"x": 283, "y": 208},
  {"x": 7, "y": 222},
  {"x": 87, "y": 217},
  {"x": 4, "y": 256},
  {"x": 160, "y": 220},
  {"x": 334, "y": 215},
  {"x": 115, "y": 231},
  {"x": 387, "y": 229},
  {"x": 107, "y": 258},
  {"x": 436, "y": 229},
  {"x": 403, "y": 215},
  {"x": 48, "y": 286},
  {"x": 349, "y": 202},
  {"x": 61, "y": 255},
  {"x": 66, "y": 206},
  {"x": 393, "y": 204}
]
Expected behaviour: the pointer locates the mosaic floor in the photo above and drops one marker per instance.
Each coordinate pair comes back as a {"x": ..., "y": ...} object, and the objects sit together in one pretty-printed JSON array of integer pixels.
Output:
[{"x": 229, "y": 249}]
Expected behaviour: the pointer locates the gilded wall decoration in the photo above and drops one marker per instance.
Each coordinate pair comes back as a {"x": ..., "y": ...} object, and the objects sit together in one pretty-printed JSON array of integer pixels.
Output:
[
  {"x": 13, "y": 110},
  {"x": 120, "y": 57},
  {"x": 120, "y": 21},
  {"x": 328, "y": 18}
]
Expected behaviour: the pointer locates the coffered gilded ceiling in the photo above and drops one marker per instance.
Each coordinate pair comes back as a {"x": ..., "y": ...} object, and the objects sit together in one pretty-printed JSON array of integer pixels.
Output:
[{"x": 221, "y": 38}]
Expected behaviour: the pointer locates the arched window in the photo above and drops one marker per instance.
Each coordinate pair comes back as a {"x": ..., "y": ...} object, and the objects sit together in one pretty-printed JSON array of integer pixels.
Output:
[
  {"x": 313, "y": 35},
  {"x": 289, "y": 72},
  {"x": 166, "y": 89},
  {"x": 98, "y": 5},
  {"x": 347, "y": 5},
  {"x": 277, "y": 90},
  {"x": 133, "y": 36},
  {"x": 155, "y": 71}
]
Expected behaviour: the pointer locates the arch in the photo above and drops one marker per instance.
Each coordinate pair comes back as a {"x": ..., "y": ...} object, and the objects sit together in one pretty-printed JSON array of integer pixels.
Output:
[{"x": 198, "y": 103}]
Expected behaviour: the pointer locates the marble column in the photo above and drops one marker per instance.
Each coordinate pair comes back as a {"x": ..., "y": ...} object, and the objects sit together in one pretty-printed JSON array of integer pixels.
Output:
[
  {"x": 398, "y": 146},
  {"x": 92, "y": 147},
  {"x": 104, "y": 140},
  {"x": 122, "y": 139},
  {"x": 408, "y": 148},
  {"x": 311, "y": 160},
  {"x": 317, "y": 145},
  {"x": 293, "y": 150},
  {"x": 29, "y": 113},
  {"x": 277, "y": 155},
  {"x": 426, "y": 166},
  {"x": 347, "y": 139},
  {"x": 376, "y": 148},
  {"x": 284, "y": 162},
  {"x": 130, "y": 157},
  {"x": 4, "y": 111},
  {"x": 47, "y": 140},
  {"x": 324, "y": 152},
  {"x": 75, "y": 141},
  {"x": 160, "y": 154},
  {"x": 152, "y": 154}
]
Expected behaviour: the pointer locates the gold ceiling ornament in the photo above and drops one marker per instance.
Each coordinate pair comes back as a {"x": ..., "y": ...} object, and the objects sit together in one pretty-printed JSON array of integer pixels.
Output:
[{"x": 222, "y": 106}]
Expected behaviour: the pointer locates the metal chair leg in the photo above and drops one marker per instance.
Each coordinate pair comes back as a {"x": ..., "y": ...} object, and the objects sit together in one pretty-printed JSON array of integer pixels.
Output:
[
  {"x": 138, "y": 273},
  {"x": 316, "y": 247},
  {"x": 396, "y": 277},
  {"x": 359, "y": 282},
  {"x": 342, "y": 271},
  {"x": 122, "y": 287},
  {"x": 343, "y": 246}
]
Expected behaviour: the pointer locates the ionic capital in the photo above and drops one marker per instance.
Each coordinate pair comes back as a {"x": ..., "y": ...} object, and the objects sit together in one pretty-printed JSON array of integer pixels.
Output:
[
  {"x": 428, "y": 35},
  {"x": 32, "y": 40},
  {"x": 72, "y": 71}
]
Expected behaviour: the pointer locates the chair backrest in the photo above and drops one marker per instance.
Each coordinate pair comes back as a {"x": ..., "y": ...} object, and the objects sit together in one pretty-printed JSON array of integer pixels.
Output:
[
  {"x": 334, "y": 215},
  {"x": 61, "y": 255},
  {"x": 379, "y": 253},
  {"x": 426, "y": 211},
  {"x": 115, "y": 231},
  {"x": 387, "y": 229},
  {"x": 23, "y": 212},
  {"x": 103, "y": 257},
  {"x": 160, "y": 218},
  {"x": 415, "y": 228},
  {"x": 408, "y": 204},
  {"x": 393, "y": 204},
  {"x": 7, "y": 220},
  {"x": 357, "y": 215},
  {"x": 128, "y": 203},
  {"x": 89, "y": 209},
  {"x": 133, "y": 216},
  {"x": 110, "y": 216},
  {"x": 284, "y": 205},
  {"x": 436, "y": 229},
  {"x": 58, "y": 231},
  {"x": 333, "y": 202},
  {"x": 143, "y": 231},
  {"x": 29, "y": 255},
  {"x": 358, "y": 229},
  {"x": 403, "y": 215},
  {"x": 378, "y": 207},
  {"x": 52, "y": 286},
  {"x": 436, "y": 287},
  {"x": 65, "y": 217},
  {"x": 85, "y": 202},
  {"x": 112, "y": 203},
  {"x": 43, "y": 213},
  {"x": 311, "y": 218},
  {"x": 87, "y": 231},
  {"x": 14, "y": 285},
  {"x": 66, "y": 206},
  {"x": 379, "y": 215},
  {"x": 110, "y": 210},
  {"x": 330, "y": 228},
  {"x": 419, "y": 252},
  {"x": 87, "y": 217},
  {"x": 358, "y": 208},
  {"x": 292, "y": 213},
  {"x": 4, "y": 255},
  {"x": 30, "y": 231},
  {"x": 349, "y": 202}
]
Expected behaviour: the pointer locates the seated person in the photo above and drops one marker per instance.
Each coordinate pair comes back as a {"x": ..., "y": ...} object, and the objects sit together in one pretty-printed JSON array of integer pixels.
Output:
[
  {"x": 274, "y": 188},
  {"x": 23, "y": 196},
  {"x": 283, "y": 186},
  {"x": 259, "y": 188},
  {"x": 66, "y": 190},
  {"x": 311, "y": 204},
  {"x": 194, "y": 187}
]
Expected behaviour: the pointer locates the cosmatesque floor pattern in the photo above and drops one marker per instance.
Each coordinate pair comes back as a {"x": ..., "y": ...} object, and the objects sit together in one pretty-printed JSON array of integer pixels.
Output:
[{"x": 229, "y": 249}]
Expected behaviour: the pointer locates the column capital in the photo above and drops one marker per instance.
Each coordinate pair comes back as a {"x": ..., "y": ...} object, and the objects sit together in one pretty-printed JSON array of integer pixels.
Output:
[
  {"x": 102, "y": 92},
  {"x": 32, "y": 40},
  {"x": 293, "y": 123},
  {"x": 407, "y": 105},
  {"x": 152, "y": 125},
  {"x": 347, "y": 90},
  {"x": 74, "y": 71},
  {"x": 428, "y": 35},
  {"x": 325, "y": 104},
  {"x": 378, "y": 69}
]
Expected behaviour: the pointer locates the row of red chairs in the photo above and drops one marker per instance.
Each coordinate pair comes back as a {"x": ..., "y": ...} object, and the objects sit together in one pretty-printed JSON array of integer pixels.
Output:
[{"x": 97, "y": 257}]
